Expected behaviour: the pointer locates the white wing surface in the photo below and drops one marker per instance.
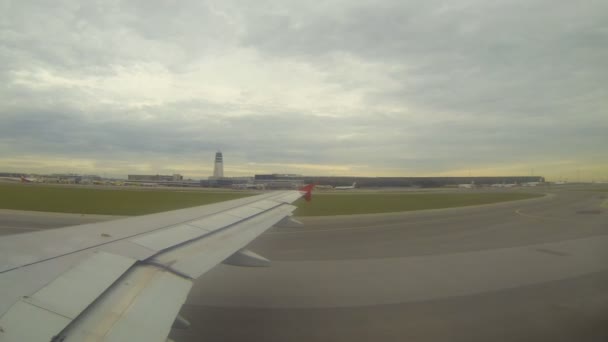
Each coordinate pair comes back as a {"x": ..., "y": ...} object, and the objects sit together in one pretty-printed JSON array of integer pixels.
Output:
[{"x": 125, "y": 280}]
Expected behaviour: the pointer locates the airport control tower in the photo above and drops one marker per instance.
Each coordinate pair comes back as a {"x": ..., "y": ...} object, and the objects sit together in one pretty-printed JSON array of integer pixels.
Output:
[{"x": 218, "y": 169}]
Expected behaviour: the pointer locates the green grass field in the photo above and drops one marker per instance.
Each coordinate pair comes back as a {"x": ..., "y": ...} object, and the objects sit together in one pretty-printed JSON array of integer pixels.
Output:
[
  {"x": 361, "y": 203},
  {"x": 69, "y": 199},
  {"x": 137, "y": 202}
]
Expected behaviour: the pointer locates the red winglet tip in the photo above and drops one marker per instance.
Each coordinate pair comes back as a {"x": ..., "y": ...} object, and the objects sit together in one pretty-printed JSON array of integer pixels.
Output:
[{"x": 307, "y": 189}]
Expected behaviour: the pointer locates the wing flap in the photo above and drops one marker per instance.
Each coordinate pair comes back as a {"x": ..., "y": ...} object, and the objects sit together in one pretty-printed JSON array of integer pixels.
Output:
[
  {"x": 66, "y": 297},
  {"x": 27, "y": 322},
  {"x": 141, "y": 306},
  {"x": 71, "y": 292},
  {"x": 124, "y": 280}
]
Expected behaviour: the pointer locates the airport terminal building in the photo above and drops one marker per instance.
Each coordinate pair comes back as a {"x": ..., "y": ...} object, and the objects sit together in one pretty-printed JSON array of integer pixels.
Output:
[
  {"x": 379, "y": 182},
  {"x": 155, "y": 178},
  {"x": 280, "y": 181}
]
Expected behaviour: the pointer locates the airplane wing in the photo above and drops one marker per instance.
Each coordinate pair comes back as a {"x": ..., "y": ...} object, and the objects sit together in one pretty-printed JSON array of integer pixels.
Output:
[{"x": 126, "y": 280}]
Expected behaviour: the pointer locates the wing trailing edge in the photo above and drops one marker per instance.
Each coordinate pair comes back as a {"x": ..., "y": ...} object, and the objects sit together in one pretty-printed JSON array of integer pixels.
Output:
[{"x": 132, "y": 287}]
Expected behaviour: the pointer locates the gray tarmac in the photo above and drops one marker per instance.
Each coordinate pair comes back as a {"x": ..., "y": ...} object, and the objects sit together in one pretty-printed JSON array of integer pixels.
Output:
[
  {"x": 534, "y": 270},
  {"x": 18, "y": 221}
]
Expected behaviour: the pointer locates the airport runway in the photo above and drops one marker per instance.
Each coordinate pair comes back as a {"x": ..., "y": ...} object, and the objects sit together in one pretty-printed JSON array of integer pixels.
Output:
[
  {"x": 521, "y": 271},
  {"x": 534, "y": 270},
  {"x": 17, "y": 221}
]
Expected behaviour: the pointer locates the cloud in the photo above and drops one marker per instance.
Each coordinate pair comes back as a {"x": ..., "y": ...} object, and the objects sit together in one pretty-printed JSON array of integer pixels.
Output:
[{"x": 342, "y": 87}]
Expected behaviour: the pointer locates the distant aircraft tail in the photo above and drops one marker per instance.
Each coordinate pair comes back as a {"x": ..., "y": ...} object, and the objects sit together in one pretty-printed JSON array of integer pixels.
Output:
[
  {"x": 354, "y": 183},
  {"x": 307, "y": 190}
]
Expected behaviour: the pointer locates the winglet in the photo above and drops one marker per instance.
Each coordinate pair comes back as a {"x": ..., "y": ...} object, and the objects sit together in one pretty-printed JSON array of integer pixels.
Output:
[{"x": 307, "y": 191}]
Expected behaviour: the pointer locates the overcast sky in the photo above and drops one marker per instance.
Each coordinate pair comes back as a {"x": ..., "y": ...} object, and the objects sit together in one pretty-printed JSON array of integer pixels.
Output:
[{"x": 376, "y": 88}]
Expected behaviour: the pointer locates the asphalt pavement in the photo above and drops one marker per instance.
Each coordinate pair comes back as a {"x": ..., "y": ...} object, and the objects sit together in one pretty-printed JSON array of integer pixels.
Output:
[{"x": 533, "y": 270}]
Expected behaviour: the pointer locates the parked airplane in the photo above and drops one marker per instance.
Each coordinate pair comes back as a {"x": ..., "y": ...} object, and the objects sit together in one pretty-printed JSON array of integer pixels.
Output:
[
  {"x": 11, "y": 179},
  {"x": 28, "y": 179},
  {"x": 346, "y": 187},
  {"x": 323, "y": 187},
  {"x": 126, "y": 280},
  {"x": 248, "y": 186},
  {"x": 467, "y": 186},
  {"x": 22, "y": 179},
  {"x": 504, "y": 185}
]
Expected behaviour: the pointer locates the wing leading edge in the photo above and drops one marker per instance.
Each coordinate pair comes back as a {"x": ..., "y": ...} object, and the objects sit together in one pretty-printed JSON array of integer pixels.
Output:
[{"x": 126, "y": 280}]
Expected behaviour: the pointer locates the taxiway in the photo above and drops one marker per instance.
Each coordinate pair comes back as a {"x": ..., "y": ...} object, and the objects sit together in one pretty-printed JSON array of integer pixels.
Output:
[{"x": 533, "y": 270}]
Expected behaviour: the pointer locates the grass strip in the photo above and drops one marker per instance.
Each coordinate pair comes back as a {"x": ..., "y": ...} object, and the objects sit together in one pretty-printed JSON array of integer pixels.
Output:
[
  {"x": 71, "y": 199},
  {"x": 330, "y": 204}
]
